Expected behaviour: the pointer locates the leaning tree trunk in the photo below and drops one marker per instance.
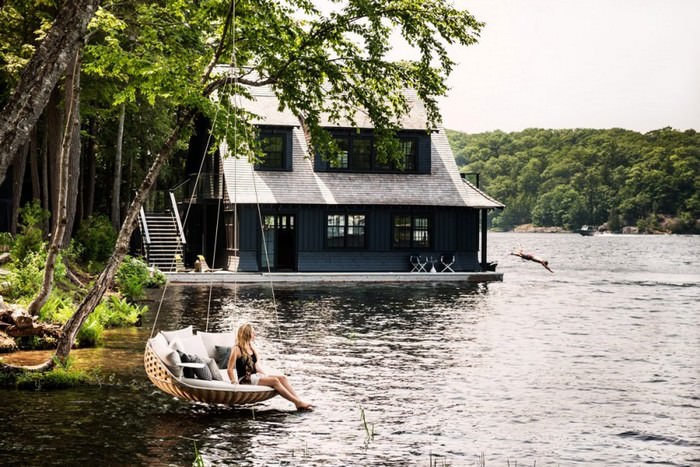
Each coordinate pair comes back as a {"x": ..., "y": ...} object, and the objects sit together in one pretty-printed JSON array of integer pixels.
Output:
[
  {"x": 104, "y": 280},
  {"x": 59, "y": 229},
  {"x": 116, "y": 214},
  {"x": 40, "y": 75}
]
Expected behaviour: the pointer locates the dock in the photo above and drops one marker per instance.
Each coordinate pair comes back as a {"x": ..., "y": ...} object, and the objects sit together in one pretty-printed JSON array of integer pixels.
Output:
[{"x": 228, "y": 277}]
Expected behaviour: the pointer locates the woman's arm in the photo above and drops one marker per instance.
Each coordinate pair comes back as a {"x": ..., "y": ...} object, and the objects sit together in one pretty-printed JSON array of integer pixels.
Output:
[{"x": 231, "y": 368}]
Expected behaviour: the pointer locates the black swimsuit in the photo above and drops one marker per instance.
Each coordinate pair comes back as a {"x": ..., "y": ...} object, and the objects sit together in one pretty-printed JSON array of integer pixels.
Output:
[{"x": 245, "y": 367}]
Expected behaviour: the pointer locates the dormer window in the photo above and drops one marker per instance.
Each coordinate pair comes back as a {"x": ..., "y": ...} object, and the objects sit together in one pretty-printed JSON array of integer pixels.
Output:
[
  {"x": 357, "y": 153},
  {"x": 276, "y": 147}
]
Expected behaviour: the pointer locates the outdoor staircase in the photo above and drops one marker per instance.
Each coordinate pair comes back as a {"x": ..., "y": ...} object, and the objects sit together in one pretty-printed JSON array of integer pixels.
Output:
[{"x": 163, "y": 239}]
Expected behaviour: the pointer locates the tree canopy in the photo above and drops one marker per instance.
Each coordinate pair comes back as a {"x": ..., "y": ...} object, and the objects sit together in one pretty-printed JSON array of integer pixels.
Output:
[{"x": 569, "y": 178}]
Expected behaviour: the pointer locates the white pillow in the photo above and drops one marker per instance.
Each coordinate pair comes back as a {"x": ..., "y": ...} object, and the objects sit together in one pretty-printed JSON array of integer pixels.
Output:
[
  {"x": 194, "y": 346},
  {"x": 167, "y": 355},
  {"x": 181, "y": 333},
  {"x": 172, "y": 361},
  {"x": 212, "y": 339}
]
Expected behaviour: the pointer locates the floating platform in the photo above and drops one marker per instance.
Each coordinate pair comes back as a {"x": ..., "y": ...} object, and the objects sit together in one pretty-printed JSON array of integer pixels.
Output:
[{"x": 227, "y": 277}]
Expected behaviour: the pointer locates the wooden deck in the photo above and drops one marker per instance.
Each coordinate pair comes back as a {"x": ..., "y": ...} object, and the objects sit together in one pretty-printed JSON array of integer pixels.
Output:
[{"x": 226, "y": 277}]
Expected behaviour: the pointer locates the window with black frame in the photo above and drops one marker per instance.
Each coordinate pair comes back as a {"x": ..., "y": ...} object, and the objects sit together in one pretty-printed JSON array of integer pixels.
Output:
[
  {"x": 358, "y": 153},
  {"x": 273, "y": 145},
  {"x": 345, "y": 231},
  {"x": 411, "y": 231}
]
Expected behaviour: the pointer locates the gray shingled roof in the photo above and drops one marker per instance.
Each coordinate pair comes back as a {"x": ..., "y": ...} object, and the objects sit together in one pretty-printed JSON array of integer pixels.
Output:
[{"x": 442, "y": 187}]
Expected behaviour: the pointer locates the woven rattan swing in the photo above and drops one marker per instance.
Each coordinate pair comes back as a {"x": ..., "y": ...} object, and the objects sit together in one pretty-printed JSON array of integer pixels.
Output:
[{"x": 166, "y": 381}]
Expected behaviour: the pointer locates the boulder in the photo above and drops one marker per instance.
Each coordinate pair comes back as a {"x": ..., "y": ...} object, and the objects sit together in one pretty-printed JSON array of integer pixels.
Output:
[{"x": 7, "y": 344}]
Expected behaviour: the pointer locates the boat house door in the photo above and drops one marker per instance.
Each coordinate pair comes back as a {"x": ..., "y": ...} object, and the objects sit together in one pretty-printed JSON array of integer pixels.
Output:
[{"x": 280, "y": 241}]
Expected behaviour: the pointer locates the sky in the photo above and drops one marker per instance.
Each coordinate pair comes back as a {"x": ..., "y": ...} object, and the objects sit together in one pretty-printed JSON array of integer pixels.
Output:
[{"x": 631, "y": 64}]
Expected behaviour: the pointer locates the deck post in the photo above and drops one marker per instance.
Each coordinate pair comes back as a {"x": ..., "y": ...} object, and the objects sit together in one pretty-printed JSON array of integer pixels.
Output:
[{"x": 484, "y": 219}]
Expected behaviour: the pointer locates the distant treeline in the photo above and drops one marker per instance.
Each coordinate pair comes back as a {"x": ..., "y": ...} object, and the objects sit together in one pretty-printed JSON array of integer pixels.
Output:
[{"x": 569, "y": 178}]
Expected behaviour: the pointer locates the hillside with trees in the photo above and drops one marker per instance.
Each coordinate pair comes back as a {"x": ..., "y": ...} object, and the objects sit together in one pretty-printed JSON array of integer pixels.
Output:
[{"x": 568, "y": 178}]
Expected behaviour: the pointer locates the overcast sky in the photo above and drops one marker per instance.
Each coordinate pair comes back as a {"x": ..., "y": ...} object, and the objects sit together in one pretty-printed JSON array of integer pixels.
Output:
[{"x": 632, "y": 64}]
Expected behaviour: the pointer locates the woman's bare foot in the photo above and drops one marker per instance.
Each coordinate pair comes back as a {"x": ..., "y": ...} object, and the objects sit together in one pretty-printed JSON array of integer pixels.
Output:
[{"x": 305, "y": 406}]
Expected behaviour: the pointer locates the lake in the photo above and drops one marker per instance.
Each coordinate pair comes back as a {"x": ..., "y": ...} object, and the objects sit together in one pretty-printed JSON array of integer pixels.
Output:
[{"x": 595, "y": 364}]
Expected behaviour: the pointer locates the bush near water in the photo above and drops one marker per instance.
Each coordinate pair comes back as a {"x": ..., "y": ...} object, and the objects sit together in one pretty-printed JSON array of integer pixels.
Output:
[{"x": 86, "y": 254}]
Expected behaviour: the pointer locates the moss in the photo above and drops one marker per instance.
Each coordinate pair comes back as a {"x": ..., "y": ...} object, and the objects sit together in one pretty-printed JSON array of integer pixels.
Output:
[{"x": 60, "y": 377}]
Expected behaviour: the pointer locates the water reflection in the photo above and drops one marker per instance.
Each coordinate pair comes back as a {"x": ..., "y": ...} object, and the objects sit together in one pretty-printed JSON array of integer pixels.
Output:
[{"x": 593, "y": 365}]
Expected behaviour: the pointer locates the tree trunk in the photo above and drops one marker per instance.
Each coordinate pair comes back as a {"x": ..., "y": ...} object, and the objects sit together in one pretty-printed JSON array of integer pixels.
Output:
[
  {"x": 34, "y": 163},
  {"x": 116, "y": 214},
  {"x": 73, "y": 169},
  {"x": 18, "y": 170},
  {"x": 40, "y": 75},
  {"x": 91, "y": 170},
  {"x": 45, "y": 167},
  {"x": 104, "y": 280},
  {"x": 61, "y": 214},
  {"x": 54, "y": 130}
]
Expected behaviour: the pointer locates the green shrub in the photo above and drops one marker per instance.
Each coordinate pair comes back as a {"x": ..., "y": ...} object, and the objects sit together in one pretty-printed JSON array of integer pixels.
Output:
[
  {"x": 26, "y": 278},
  {"x": 6, "y": 241},
  {"x": 96, "y": 236},
  {"x": 58, "y": 308},
  {"x": 91, "y": 333},
  {"x": 134, "y": 276},
  {"x": 115, "y": 312},
  {"x": 33, "y": 221}
]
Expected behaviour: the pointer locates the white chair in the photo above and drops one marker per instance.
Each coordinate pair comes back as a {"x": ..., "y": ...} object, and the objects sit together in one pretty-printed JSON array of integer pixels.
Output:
[
  {"x": 418, "y": 264},
  {"x": 447, "y": 262}
]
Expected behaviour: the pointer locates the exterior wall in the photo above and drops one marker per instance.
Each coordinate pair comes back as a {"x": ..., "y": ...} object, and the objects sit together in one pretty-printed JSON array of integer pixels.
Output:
[{"x": 453, "y": 231}]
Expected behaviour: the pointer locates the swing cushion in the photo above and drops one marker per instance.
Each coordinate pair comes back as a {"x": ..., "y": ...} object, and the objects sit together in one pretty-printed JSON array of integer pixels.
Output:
[
  {"x": 222, "y": 355},
  {"x": 213, "y": 339},
  {"x": 201, "y": 373},
  {"x": 167, "y": 355},
  {"x": 214, "y": 370},
  {"x": 191, "y": 345},
  {"x": 183, "y": 333}
]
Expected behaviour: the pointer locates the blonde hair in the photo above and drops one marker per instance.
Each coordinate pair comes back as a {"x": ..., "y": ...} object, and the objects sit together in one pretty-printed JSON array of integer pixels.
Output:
[{"x": 243, "y": 339}]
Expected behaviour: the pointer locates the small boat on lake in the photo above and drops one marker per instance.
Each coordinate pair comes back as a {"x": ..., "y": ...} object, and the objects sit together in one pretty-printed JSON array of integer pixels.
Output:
[{"x": 587, "y": 230}]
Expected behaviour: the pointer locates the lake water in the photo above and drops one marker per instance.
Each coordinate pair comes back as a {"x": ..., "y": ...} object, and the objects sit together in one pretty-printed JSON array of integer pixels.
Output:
[{"x": 596, "y": 364}]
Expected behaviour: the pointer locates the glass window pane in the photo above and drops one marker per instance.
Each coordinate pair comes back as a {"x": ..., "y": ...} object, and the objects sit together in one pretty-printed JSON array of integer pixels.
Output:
[
  {"x": 272, "y": 147},
  {"x": 361, "y": 154},
  {"x": 335, "y": 231},
  {"x": 341, "y": 161}
]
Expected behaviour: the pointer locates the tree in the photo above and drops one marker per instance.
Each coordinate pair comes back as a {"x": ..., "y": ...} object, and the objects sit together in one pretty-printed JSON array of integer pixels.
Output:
[
  {"x": 39, "y": 77},
  {"x": 64, "y": 201},
  {"x": 317, "y": 64}
]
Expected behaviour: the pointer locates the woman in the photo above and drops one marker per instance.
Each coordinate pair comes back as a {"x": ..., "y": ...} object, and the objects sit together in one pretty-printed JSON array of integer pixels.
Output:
[{"x": 244, "y": 360}]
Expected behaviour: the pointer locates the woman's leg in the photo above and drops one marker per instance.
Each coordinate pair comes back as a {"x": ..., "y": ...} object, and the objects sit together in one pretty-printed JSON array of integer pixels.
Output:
[
  {"x": 285, "y": 382},
  {"x": 275, "y": 383}
]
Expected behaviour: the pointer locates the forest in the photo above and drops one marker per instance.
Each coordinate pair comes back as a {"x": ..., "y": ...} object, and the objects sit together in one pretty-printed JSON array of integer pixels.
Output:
[{"x": 573, "y": 177}]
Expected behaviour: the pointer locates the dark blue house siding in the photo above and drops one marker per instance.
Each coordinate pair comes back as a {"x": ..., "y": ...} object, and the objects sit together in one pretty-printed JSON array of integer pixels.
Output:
[{"x": 454, "y": 231}]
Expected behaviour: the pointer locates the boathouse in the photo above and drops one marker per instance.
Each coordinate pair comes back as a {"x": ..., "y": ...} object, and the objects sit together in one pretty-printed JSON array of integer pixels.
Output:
[{"x": 300, "y": 213}]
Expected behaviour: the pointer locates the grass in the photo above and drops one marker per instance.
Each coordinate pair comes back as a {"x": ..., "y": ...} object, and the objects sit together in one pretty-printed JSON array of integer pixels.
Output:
[
  {"x": 369, "y": 428},
  {"x": 60, "y": 377}
]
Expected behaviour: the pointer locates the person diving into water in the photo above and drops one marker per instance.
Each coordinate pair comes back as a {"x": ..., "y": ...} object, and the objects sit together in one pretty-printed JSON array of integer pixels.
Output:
[{"x": 534, "y": 258}]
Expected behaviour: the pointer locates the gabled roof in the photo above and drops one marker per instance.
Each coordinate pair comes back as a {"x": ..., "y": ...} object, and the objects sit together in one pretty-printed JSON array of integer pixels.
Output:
[
  {"x": 442, "y": 187},
  {"x": 264, "y": 103}
]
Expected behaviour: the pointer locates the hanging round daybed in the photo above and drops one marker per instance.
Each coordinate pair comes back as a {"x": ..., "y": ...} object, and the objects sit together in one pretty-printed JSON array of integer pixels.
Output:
[
  {"x": 166, "y": 368},
  {"x": 201, "y": 390}
]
